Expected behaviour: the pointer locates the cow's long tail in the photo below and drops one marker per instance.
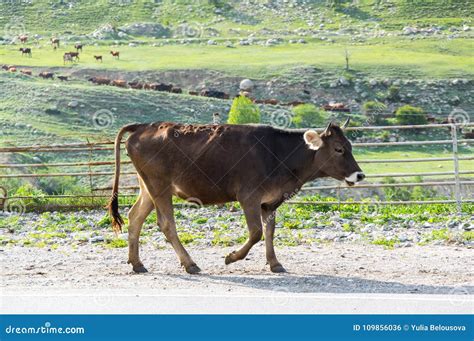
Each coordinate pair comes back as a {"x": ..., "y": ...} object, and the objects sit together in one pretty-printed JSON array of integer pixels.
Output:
[{"x": 113, "y": 206}]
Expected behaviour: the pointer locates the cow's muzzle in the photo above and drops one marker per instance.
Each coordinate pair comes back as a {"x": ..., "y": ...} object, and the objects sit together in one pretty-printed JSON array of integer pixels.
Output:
[{"x": 354, "y": 178}]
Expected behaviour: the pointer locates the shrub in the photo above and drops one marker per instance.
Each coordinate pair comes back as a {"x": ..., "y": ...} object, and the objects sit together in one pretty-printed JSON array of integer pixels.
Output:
[
  {"x": 308, "y": 115},
  {"x": 243, "y": 111},
  {"x": 373, "y": 110},
  {"x": 410, "y": 115},
  {"x": 393, "y": 93}
]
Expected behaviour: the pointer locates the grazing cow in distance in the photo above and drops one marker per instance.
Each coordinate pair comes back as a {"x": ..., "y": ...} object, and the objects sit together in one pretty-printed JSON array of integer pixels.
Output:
[
  {"x": 340, "y": 107},
  {"x": 193, "y": 93},
  {"x": 46, "y": 75},
  {"x": 257, "y": 165},
  {"x": 147, "y": 86},
  {"x": 12, "y": 69},
  {"x": 97, "y": 58},
  {"x": 63, "y": 78},
  {"x": 26, "y": 72},
  {"x": 74, "y": 56},
  {"x": 25, "y": 50},
  {"x": 214, "y": 94},
  {"x": 67, "y": 58},
  {"x": 294, "y": 103},
  {"x": 55, "y": 43},
  {"x": 161, "y": 87},
  {"x": 115, "y": 54},
  {"x": 5, "y": 67},
  {"x": 100, "y": 80},
  {"x": 176, "y": 90},
  {"x": 119, "y": 83},
  {"x": 23, "y": 38},
  {"x": 136, "y": 85},
  {"x": 78, "y": 47},
  {"x": 271, "y": 101}
]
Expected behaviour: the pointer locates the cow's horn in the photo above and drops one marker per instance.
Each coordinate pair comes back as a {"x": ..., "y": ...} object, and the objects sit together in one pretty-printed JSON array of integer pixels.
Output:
[
  {"x": 327, "y": 131},
  {"x": 346, "y": 124}
]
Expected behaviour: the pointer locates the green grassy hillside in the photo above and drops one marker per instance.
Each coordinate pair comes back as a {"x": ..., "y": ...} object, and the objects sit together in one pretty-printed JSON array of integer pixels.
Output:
[{"x": 84, "y": 16}]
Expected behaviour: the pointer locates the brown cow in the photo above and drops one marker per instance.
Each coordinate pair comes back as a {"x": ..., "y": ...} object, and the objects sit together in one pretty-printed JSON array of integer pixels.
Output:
[
  {"x": 214, "y": 94},
  {"x": 74, "y": 56},
  {"x": 100, "y": 80},
  {"x": 119, "y": 83},
  {"x": 259, "y": 166},
  {"x": 193, "y": 93},
  {"x": 176, "y": 90},
  {"x": 12, "y": 69},
  {"x": 46, "y": 75},
  {"x": 161, "y": 87},
  {"x": 97, "y": 58},
  {"x": 55, "y": 42},
  {"x": 23, "y": 38},
  {"x": 340, "y": 107},
  {"x": 78, "y": 47},
  {"x": 26, "y": 72},
  {"x": 67, "y": 58},
  {"x": 294, "y": 103},
  {"x": 271, "y": 101},
  {"x": 25, "y": 50},
  {"x": 115, "y": 54},
  {"x": 136, "y": 85}
]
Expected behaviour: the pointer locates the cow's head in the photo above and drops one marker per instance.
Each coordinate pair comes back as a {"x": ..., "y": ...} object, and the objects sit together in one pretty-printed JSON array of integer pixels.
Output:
[{"x": 333, "y": 155}]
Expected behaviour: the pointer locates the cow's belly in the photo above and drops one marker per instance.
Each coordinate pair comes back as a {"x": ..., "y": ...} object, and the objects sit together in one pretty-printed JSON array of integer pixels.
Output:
[{"x": 201, "y": 195}]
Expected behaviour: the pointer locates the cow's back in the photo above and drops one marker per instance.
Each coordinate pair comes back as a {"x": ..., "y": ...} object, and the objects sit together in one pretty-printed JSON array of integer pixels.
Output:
[{"x": 210, "y": 162}]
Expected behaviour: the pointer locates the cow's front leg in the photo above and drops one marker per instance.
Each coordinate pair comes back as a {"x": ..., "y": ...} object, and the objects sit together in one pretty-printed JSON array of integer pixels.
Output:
[
  {"x": 252, "y": 213},
  {"x": 268, "y": 221}
]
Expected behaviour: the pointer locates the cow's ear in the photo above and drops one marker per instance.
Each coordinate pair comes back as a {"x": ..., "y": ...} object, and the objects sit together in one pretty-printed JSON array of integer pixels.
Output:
[{"x": 313, "y": 140}]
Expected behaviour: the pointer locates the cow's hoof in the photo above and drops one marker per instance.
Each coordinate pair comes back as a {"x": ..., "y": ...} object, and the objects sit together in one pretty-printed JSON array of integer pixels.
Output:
[
  {"x": 139, "y": 269},
  {"x": 229, "y": 258},
  {"x": 192, "y": 269},
  {"x": 278, "y": 268}
]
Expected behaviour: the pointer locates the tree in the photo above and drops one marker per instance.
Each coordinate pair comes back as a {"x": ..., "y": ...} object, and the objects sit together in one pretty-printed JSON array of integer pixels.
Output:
[
  {"x": 410, "y": 115},
  {"x": 243, "y": 111},
  {"x": 347, "y": 59},
  {"x": 308, "y": 115}
]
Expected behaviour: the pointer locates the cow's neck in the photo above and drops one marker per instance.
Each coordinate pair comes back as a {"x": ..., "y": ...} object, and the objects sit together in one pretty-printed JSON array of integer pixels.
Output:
[{"x": 301, "y": 164}]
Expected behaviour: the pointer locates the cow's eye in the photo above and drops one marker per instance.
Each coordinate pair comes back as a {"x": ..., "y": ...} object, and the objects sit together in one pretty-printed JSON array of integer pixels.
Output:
[{"x": 339, "y": 150}]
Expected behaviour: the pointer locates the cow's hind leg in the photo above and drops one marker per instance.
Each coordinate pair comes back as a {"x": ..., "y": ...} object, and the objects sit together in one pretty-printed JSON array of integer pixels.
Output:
[
  {"x": 252, "y": 213},
  {"x": 164, "y": 207},
  {"x": 268, "y": 220},
  {"x": 136, "y": 217}
]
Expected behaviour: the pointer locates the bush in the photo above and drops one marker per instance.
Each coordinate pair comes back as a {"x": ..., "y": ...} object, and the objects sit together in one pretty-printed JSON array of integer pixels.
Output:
[
  {"x": 308, "y": 115},
  {"x": 393, "y": 93},
  {"x": 373, "y": 110},
  {"x": 243, "y": 111},
  {"x": 410, "y": 115}
]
